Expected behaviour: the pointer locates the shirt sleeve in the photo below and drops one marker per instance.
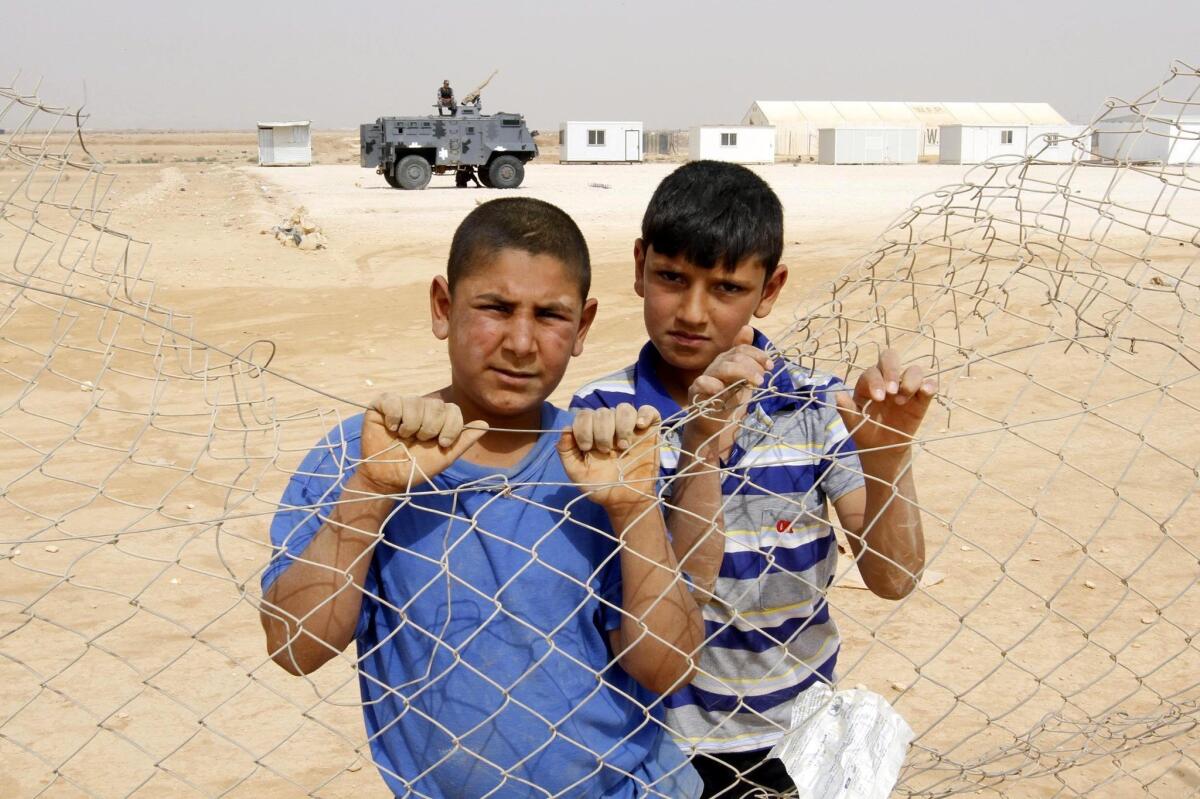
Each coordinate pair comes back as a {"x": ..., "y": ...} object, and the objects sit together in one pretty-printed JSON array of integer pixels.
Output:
[
  {"x": 841, "y": 470},
  {"x": 593, "y": 400},
  {"x": 306, "y": 503}
]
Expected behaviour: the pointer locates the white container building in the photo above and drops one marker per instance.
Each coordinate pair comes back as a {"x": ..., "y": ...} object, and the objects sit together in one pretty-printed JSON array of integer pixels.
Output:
[
  {"x": 739, "y": 144},
  {"x": 974, "y": 144},
  {"x": 1174, "y": 140},
  {"x": 869, "y": 145},
  {"x": 284, "y": 144},
  {"x": 600, "y": 142}
]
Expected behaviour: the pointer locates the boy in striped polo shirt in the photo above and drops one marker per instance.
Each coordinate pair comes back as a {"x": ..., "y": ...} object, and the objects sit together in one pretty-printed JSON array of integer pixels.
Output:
[{"x": 748, "y": 481}]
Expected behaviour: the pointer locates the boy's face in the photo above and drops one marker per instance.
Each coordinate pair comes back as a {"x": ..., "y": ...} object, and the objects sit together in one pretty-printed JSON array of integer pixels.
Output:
[
  {"x": 693, "y": 314},
  {"x": 512, "y": 326}
]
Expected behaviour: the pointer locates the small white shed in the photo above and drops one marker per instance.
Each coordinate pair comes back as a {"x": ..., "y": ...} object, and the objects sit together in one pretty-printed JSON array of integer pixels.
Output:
[
  {"x": 974, "y": 144},
  {"x": 595, "y": 142},
  {"x": 284, "y": 144},
  {"x": 740, "y": 144},
  {"x": 869, "y": 145},
  {"x": 1136, "y": 138}
]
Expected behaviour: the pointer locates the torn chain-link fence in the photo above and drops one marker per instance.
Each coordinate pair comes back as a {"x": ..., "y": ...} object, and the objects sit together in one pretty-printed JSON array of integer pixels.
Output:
[{"x": 1056, "y": 302}]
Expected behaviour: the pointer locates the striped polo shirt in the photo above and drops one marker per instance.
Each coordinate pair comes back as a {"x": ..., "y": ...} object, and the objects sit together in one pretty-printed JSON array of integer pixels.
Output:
[{"x": 769, "y": 633}]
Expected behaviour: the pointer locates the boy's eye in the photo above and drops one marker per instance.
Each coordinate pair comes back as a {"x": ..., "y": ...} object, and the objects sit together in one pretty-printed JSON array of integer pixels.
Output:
[
  {"x": 671, "y": 277},
  {"x": 730, "y": 288}
]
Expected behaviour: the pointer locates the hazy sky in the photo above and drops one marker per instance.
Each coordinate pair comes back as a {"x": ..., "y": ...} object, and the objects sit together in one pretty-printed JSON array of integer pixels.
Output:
[{"x": 217, "y": 64}]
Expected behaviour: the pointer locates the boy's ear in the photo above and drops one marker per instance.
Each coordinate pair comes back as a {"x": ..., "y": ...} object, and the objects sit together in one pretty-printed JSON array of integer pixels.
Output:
[
  {"x": 639, "y": 267},
  {"x": 439, "y": 307},
  {"x": 771, "y": 291},
  {"x": 585, "y": 324}
]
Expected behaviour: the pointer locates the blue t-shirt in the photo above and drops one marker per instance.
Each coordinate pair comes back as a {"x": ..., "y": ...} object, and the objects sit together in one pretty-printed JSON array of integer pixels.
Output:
[{"x": 484, "y": 663}]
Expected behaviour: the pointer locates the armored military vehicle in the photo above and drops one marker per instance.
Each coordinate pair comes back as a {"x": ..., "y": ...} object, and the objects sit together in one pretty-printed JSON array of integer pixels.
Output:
[{"x": 408, "y": 151}]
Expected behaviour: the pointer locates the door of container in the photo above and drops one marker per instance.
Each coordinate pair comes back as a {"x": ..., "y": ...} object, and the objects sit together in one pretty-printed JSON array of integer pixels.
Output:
[
  {"x": 266, "y": 145},
  {"x": 633, "y": 146}
]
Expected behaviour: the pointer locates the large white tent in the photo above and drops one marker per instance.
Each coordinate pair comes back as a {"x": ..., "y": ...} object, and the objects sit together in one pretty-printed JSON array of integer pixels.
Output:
[{"x": 797, "y": 123}]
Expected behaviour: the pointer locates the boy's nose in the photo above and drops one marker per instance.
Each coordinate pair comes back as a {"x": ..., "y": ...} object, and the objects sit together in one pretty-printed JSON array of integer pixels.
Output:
[
  {"x": 520, "y": 338},
  {"x": 692, "y": 309}
]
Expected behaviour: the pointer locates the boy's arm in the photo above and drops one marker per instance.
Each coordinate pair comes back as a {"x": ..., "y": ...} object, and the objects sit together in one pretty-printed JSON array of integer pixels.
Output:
[
  {"x": 612, "y": 455},
  {"x": 310, "y": 612},
  {"x": 882, "y": 520},
  {"x": 718, "y": 401}
]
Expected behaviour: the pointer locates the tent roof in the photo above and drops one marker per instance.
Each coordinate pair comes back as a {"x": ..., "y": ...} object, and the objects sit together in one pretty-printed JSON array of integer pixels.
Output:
[{"x": 834, "y": 113}]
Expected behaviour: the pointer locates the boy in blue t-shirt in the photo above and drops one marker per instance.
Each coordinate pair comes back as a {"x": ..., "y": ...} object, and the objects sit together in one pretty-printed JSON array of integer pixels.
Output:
[
  {"x": 514, "y": 635},
  {"x": 749, "y": 479}
]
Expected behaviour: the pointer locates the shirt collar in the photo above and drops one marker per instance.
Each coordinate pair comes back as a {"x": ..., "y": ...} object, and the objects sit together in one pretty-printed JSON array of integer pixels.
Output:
[{"x": 648, "y": 388}]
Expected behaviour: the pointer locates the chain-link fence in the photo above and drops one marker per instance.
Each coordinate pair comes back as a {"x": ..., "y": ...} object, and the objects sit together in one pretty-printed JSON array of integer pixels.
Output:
[{"x": 1049, "y": 650}]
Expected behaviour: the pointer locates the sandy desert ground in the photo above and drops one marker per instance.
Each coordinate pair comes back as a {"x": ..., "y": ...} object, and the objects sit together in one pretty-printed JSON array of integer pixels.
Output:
[{"x": 134, "y": 666}]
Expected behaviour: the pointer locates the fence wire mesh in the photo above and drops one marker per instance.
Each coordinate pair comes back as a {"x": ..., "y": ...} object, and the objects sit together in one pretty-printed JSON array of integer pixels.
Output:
[{"x": 1056, "y": 302}]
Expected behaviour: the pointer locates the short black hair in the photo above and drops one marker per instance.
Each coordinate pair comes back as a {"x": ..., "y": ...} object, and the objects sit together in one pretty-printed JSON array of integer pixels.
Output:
[
  {"x": 519, "y": 223},
  {"x": 715, "y": 213}
]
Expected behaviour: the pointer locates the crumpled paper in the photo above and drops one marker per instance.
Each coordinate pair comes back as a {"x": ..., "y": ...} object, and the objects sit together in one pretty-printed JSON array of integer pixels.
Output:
[{"x": 844, "y": 745}]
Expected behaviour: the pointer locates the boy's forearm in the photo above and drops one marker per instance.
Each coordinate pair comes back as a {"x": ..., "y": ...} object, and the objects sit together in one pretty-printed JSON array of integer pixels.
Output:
[
  {"x": 893, "y": 538},
  {"x": 696, "y": 519},
  {"x": 311, "y": 611},
  {"x": 661, "y": 627}
]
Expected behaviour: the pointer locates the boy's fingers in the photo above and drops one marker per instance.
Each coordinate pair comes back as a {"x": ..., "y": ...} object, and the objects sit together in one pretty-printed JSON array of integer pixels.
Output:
[
  {"x": 452, "y": 425},
  {"x": 433, "y": 419},
  {"x": 870, "y": 386},
  {"x": 852, "y": 417},
  {"x": 581, "y": 428},
  {"x": 568, "y": 448},
  {"x": 390, "y": 409},
  {"x": 410, "y": 421},
  {"x": 647, "y": 415},
  {"x": 910, "y": 384},
  {"x": 626, "y": 419},
  {"x": 755, "y": 354},
  {"x": 704, "y": 388},
  {"x": 603, "y": 427},
  {"x": 740, "y": 366},
  {"x": 467, "y": 438},
  {"x": 889, "y": 368}
]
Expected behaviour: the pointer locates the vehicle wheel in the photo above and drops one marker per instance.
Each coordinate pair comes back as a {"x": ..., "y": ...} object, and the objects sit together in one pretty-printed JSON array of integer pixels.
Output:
[
  {"x": 506, "y": 172},
  {"x": 413, "y": 172},
  {"x": 462, "y": 178},
  {"x": 481, "y": 172},
  {"x": 390, "y": 178}
]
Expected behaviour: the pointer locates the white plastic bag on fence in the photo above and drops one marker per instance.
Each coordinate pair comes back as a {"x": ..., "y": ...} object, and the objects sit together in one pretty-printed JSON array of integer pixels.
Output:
[{"x": 844, "y": 745}]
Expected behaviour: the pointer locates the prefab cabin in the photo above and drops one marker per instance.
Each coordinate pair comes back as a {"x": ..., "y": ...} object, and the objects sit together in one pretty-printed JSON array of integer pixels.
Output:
[
  {"x": 869, "y": 145},
  {"x": 974, "y": 144},
  {"x": 600, "y": 142},
  {"x": 284, "y": 144},
  {"x": 739, "y": 144}
]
